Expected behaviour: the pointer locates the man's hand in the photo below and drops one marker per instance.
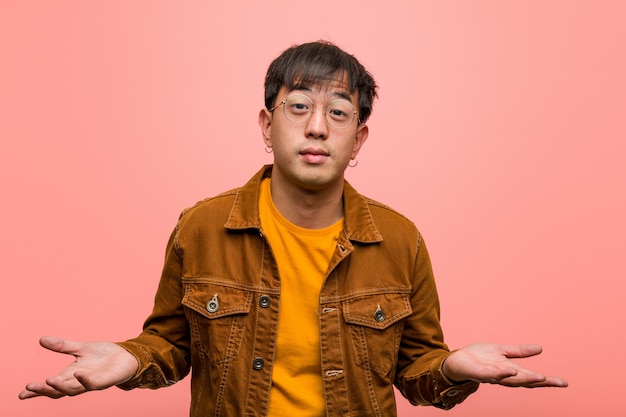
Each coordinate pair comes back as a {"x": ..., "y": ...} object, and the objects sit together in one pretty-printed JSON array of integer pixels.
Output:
[
  {"x": 491, "y": 363},
  {"x": 98, "y": 365}
]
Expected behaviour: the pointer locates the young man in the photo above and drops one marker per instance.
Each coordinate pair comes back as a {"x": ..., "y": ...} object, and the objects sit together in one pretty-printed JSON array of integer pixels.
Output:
[{"x": 295, "y": 295}]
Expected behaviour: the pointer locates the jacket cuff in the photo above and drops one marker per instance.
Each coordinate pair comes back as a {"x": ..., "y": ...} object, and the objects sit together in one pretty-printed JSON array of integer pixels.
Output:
[
  {"x": 148, "y": 374},
  {"x": 447, "y": 393}
]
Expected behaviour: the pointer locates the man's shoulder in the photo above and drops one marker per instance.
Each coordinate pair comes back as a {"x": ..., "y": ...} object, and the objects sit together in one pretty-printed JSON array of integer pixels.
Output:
[
  {"x": 384, "y": 208},
  {"x": 378, "y": 210},
  {"x": 221, "y": 201},
  {"x": 389, "y": 222}
]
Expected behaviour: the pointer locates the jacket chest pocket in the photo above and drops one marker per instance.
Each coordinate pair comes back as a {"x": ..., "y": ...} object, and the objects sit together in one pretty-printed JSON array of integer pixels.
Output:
[
  {"x": 376, "y": 323},
  {"x": 217, "y": 317}
]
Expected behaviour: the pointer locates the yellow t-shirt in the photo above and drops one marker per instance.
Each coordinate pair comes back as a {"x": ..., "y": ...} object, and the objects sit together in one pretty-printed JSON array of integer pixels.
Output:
[{"x": 303, "y": 256}]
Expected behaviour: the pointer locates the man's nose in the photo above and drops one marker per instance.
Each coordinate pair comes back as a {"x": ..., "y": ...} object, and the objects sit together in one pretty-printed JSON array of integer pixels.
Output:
[{"x": 316, "y": 126}]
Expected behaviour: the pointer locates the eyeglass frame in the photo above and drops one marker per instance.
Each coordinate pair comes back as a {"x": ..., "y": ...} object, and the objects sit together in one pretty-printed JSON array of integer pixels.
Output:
[{"x": 282, "y": 103}]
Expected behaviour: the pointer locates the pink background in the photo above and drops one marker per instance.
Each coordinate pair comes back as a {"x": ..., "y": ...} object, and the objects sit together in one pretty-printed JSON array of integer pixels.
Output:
[{"x": 499, "y": 130}]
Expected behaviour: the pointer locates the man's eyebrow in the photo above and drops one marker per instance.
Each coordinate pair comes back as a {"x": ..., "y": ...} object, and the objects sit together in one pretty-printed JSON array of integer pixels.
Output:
[
  {"x": 336, "y": 93},
  {"x": 301, "y": 88},
  {"x": 342, "y": 94}
]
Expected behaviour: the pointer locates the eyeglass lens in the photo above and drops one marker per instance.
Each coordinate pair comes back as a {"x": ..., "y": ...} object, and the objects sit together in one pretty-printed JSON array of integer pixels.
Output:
[{"x": 339, "y": 113}]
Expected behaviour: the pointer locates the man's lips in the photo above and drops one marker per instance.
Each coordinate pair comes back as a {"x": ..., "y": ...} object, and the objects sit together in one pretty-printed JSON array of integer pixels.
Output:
[{"x": 314, "y": 155}]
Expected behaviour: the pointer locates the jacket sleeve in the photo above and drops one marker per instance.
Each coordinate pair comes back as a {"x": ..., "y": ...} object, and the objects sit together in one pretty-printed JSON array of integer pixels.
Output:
[
  {"x": 163, "y": 348},
  {"x": 422, "y": 351}
]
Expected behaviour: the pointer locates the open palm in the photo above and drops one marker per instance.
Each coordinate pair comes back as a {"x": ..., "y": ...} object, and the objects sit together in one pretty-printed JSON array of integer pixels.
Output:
[
  {"x": 491, "y": 363},
  {"x": 98, "y": 365}
]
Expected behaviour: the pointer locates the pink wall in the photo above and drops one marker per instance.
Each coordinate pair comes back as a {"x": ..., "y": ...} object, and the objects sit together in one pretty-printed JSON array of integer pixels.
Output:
[{"x": 499, "y": 130}]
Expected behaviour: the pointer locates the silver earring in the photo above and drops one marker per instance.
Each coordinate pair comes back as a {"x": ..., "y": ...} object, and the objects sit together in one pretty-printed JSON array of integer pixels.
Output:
[
  {"x": 356, "y": 162},
  {"x": 268, "y": 149}
]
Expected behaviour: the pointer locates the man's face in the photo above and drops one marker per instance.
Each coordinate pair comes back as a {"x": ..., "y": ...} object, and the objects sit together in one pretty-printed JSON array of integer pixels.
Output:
[{"x": 312, "y": 155}]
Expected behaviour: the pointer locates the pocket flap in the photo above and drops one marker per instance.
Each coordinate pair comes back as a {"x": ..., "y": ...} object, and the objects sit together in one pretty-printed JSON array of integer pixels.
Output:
[
  {"x": 377, "y": 311},
  {"x": 214, "y": 301}
]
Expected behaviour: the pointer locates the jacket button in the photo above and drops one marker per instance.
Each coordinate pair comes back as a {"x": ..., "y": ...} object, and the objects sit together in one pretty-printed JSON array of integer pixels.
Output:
[
  {"x": 213, "y": 305},
  {"x": 264, "y": 301},
  {"x": 258, "y": 364},
  {"x": 379, "y": 315},
  {"x": 453, "y": 393}
]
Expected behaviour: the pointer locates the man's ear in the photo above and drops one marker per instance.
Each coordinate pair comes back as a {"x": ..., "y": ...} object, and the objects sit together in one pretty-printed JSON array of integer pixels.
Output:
[
  {"x": 362, "y": 132},
  {"x": 265, "y": 123}
]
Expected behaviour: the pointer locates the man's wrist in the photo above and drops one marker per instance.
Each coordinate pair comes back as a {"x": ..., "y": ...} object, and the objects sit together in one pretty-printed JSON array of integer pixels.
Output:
[{"x": 450, "y": 376}]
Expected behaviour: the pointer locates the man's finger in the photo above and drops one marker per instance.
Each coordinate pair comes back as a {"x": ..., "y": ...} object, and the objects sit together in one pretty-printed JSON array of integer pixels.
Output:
[
  {"x": 66, "y": 387},
  {"x": 59, "y": 345},
  {"x": 37, "y": 389},
  {"x": 522, "y": 351}
]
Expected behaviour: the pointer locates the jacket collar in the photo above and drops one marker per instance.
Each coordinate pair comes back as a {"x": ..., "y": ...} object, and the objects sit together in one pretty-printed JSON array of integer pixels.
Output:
[{"x": 359, "y": 225}]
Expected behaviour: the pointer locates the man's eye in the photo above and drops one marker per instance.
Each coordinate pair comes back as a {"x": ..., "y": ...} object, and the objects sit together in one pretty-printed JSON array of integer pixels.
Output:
[
  {"x": 298, "y": 107},
  {"x": 337, "y": 114}
]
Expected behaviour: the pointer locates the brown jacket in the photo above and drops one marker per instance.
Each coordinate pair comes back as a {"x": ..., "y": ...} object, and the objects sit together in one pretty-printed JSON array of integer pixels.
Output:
[{"x": 217, "y": 306}]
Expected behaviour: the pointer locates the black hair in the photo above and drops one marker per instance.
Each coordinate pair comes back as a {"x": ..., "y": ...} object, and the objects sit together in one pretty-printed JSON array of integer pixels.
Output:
[{"x": 318, "y": 64}]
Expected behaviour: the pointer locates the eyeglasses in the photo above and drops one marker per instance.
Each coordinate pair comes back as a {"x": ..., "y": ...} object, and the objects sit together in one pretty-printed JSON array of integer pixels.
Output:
[{"x": 298, "y": 108}]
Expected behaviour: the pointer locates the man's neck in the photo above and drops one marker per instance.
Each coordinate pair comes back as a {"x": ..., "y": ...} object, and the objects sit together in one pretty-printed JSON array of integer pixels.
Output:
[{"x": 309, "y": 209}]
